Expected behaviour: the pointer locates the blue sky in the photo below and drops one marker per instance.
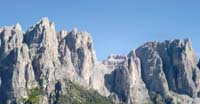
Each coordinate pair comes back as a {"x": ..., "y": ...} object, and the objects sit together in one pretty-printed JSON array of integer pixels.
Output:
[{"x": 117, "y": 26}]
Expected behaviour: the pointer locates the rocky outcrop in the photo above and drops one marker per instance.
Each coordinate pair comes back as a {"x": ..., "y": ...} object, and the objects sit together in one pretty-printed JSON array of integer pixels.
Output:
[
  {"x": 77, "y": 48},
  {"x": 170, "y": 66},
  {"x": 48, "y": 66},
  {"x": 16, "y": 70},
  {"x": 43, "y": 45},
  {"x": 125, "y": 80},
  {"x": 199, "y": 64},
  {"x": 152, "y": 69}
]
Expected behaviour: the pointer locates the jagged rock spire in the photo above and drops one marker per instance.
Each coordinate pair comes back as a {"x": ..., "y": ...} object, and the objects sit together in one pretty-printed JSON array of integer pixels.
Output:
[
  {"x": 18, "y": 27},
  {"x": 79, "y": 47}
]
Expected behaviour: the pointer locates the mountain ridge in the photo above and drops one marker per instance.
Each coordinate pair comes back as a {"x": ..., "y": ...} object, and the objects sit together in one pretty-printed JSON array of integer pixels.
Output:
[{"x": 156, "y": 72}]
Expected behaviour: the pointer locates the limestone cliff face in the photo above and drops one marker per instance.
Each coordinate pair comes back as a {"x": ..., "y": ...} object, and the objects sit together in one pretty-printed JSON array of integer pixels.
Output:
[
  {"x": 47, "y": 62},
  {"x": 40, "y": 58},
  {"x": 42, "y": 41},
  {"x": 125, "y": 80},
  {"x": 170, "y": 66},
  {"x": 77, "y": 48},
  {"x": 16, "y": 72}
]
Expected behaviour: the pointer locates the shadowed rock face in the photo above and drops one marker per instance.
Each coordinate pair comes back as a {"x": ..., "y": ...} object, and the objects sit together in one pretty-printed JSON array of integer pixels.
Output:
[
  {"x": 125, "y": 80},
  {"x": 44, "y": 59},
  {"x": 16, "y": 73}
]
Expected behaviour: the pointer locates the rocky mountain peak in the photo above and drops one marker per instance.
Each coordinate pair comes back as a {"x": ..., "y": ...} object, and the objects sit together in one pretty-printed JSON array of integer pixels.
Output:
[
  {"x": 74, "y": 31},
  {"x": 42, "y": 41},
  {"x": 18, "y": 27},
  {"x": 11, "y": 37},
  {"x": 44, "y": 20},
  {"x": 53, "y": 63},
  {"x": 61, "y": 35},
  {"x": 125, "y": 80},
  {"x": 164, "y": 63},
  {"x": 42, "y": 36},
  {"x": 77, "y": 48},
  {"x": 132, "y": 54}
]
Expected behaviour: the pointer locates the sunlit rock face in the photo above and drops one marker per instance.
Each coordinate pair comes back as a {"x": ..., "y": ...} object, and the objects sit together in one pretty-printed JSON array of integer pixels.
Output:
[
  {"x": 46, "y": 59},
  {"x": 77, "y": 48},
  {"x": 42, "y": 41},
  {"x": 170, "y": 66}
]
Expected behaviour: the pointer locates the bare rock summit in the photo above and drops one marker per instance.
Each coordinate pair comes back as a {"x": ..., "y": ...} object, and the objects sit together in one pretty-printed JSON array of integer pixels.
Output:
[{"x": 45, "y": 66}]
